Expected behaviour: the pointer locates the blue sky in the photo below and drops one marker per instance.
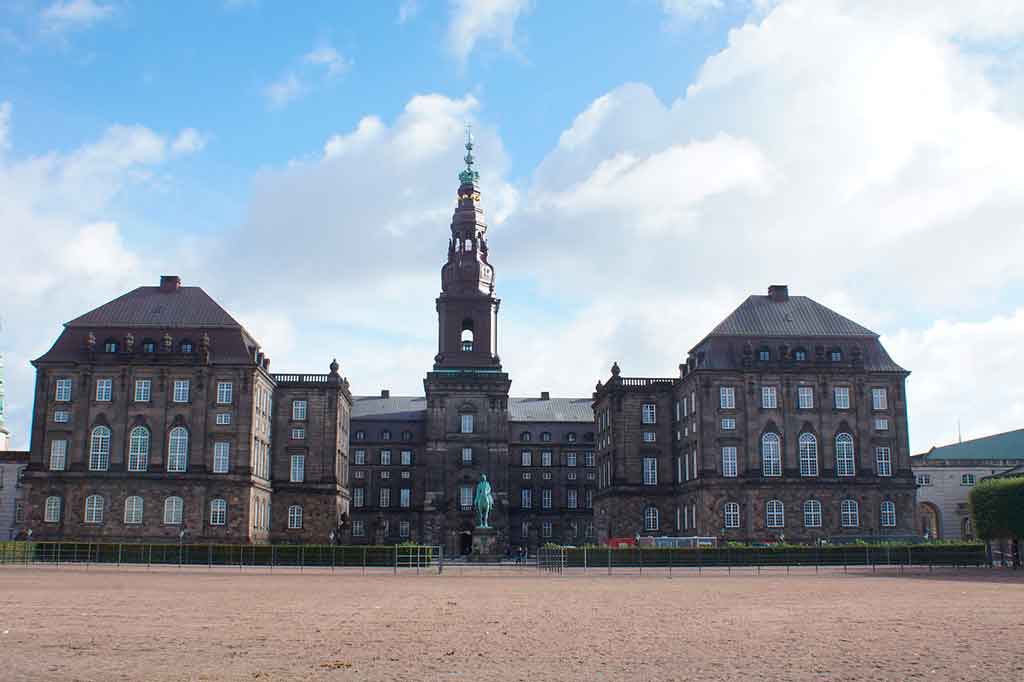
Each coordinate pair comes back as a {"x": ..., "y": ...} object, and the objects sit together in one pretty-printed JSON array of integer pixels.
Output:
[{"x": 646, "y": 164}]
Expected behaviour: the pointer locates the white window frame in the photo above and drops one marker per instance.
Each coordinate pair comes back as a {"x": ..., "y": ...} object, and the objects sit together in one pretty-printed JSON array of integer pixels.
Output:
[
  {"x": 846, "y": 456},
  {"x": 138, "y": 449},
  {"x": 650, "y": 470},
  {"x": 727, "y": 397},
  {"x": 177, "y": 449},
  {"x": 143, "y": 390},
  {"x": 61, "y": 417},
  {"x": 526, "y": 498},
  {"x": 62, "y": 391},
  {"x": 358, "y": 497},
  {"x": 297, "y": 469},
  {"x": 774, "y": 514},
  {"x": 358, "y": 528},
  {"x": 218, "y": 512},
  {"x": 769, "y": 398},
  {"x": 104, "y": 390},
  {"x": 526, "y": 458},
  {"x": 403, "y": 528},
  {"x": 52, "y": 509},
  {"x": 384, "y": 498},
  {"x": 570, "y": 459},
  {"x": 99, "y": 449},
  {"x": 58, "y": 455},
  {"x": 221, "y": 457},
  {"x": 807, "y": 449},
  {"x": 883, "y": 460},
  {"x": 466, "y": 423},
  {"x": 223, "y": 419},
  {"x": 359, "y": 457},
  {"x": 182, "y": 389},
  {"x": 405, "y": 497},
  {"x": 225, "y": 389},
  {"x": 385, "y": 457},
  {"x": 174, "y": 507},
  {"x": 588, "y": 458},
  {"x": 298, "y": 433},
  {"x": 649, "y": 436},
  {"x": 731, "y": 515},
  {"x": 887, "y": 514},
  {"x": 728, "y": 424},
  {"x": 406, "y": 458},
  {"x": 547, "y": 529},
  {"x": 467, "y": 455},
  {"x": 729, "y": 461},
  {"x": 546, "y": 498},
  {"x": 841, "y": 397},
  {"x": 849, "y": 514},
  {"x": 652, "y": 518},
  {"x": 805, "y": 397},
  {"x": 879, "y": 399},
  {"x": 93, "y": 509},
  {"x": 465, "y": 497},
  {"x": 299, "y": 410},
  {"x": 812, "y": 514},
  {"x": 571, "y": 498},
  {"x": 771, "y": 455},
  {"x": 545, "y": 458},
  {"x": 649, "y": 413},
  {"x": 133, "y": 506},
  {"x": 968, "y": 479},
  {"x": 295, "y": 517}
]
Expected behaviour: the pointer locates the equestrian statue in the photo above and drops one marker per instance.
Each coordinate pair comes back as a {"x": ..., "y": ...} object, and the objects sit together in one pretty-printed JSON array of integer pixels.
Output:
[{"x": 483, "y": 502}]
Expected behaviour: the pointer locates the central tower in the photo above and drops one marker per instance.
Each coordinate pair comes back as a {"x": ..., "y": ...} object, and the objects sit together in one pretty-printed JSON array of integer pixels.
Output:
[{"x": 467, "y": 393}]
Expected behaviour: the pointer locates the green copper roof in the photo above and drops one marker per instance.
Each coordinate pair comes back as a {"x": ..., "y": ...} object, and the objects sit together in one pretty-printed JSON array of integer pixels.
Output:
[
  {"x": 1002, "y": 446},
  {"x": 469, "y": 176}
]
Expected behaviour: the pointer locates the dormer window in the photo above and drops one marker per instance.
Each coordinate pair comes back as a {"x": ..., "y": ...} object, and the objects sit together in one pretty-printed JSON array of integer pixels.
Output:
[
  {"x": 385, "y": 435},
  {"x": 836, "y": 355},
  {"x": 149, "y": 346},
  {"x": 110, "y": 346},
  {"x": 800, "y": 355},
  {"x": 186, "y": 346},
  {"x": 546, "y": 436},
  {"x": 360, "y": 435},
  {"x": 764, "y": 355},
  {"x": 526, "y": 436}
]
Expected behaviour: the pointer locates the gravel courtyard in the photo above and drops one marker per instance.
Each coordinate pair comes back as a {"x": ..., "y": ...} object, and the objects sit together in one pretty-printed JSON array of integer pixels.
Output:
[{"x": 72, "y": 624}]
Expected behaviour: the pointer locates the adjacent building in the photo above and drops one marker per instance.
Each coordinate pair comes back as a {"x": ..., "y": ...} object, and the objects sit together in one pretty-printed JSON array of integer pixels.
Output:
[
  {"x": 12, "y": 493},
  {"x": 157, "y": 418},
  {"x": 946, "y": 474}
]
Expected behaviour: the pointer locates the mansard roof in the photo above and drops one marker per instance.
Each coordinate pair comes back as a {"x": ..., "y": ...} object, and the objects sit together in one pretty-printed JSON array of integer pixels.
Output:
[
  {"x": 793, "y": 316},
  {"x": 1001, "y": 446},
  {"x": 414, "y": 408},
  {"x": 159, "y": 307}
]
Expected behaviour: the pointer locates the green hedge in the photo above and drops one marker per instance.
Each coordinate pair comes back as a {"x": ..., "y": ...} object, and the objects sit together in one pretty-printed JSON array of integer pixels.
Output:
[{"x": 997, "y": 506}]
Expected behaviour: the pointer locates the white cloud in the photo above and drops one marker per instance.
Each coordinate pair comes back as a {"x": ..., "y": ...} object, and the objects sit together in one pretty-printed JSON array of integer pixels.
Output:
[
  {"x": 284, "y": 90},
  {"x": 72, "y": 14},
  {"x": 472, "y": 21},
  {"x": 329, "y": 58},
  {"x": 5, "y": 126},
  {"x": 188, "y": 141},
  {"x": 685, "y": 11},
  {"x": 407, "y": 10}
]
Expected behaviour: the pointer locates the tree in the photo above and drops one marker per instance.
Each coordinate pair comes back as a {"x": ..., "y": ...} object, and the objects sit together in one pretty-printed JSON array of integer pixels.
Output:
[{"x": 997, "y": 506}]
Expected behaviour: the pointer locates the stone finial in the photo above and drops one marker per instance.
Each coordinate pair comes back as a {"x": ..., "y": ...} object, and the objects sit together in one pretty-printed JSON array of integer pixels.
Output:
[
  {"x": 334, "y": 366},
  {"x": 598, "y": 387},
  {"x": 615, "y": 369}
]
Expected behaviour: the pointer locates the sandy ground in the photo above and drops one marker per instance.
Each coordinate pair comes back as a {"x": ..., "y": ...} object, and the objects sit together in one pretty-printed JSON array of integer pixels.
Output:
[{"x": 69, "y": 624}]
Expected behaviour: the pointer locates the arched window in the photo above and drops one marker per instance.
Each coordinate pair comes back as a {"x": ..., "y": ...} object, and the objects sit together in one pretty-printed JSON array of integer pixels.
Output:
[
  {"x": 812, "y": 514},
  {"x": 218, "y": 512},
  {"x": 138, "y": 449},
  {"x": 133, "y": 510},
  {"x": 173, "y": 507},
  {"x": 525, "y": 436},
  {"x": 177, "y": 449},
  {"x": 731, "y": 514},
  {"x": 771, "y": 455},
  {"x": 844, "y": 455},
  {"x": 849, "y": 514},
  {"x": 94, "y": 509},
  {"x": 888, "y": 515},
  {"x": 808, "y": 454},
  {"x": 774, "y": 514},
  {"x": 52, "y": 512},
  {"x": 99, "y": 449},
  {"x": 651, "y": 518},
  {"x": 294, "y": 517},
  {"x": 467, "y": 335}
]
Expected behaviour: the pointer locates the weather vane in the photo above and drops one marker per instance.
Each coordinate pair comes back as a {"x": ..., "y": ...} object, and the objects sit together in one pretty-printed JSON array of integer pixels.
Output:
[{"x": 469, "y": 175}]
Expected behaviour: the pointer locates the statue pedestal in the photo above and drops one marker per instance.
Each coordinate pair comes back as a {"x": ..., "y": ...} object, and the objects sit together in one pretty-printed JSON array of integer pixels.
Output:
[{"x": 485, "y": 546}]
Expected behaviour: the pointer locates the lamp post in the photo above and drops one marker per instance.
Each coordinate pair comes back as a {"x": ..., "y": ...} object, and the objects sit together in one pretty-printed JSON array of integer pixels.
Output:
[{"x": 181, "y": 538}]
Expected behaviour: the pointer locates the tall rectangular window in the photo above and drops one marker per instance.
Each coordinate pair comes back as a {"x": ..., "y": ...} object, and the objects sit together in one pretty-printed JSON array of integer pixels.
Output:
[
  {"x": 466, "y": 496},
  {"x": 879, "y": 399},
  {"x": 298, "y": 469},
  {"x": 526, "y": 458},
  {"x": 63, "y": 393},
  {"x": 360, "y": 456},
  {"x": 727, "y": 397},
  {"x": 298, "y": 410},
  {"x": 403, "y": 529},
  {"x": 842, "y": 394},
  {"x": 545, "y": 498},
  {"x": 545, "y": 458},
  {"x": 221, "y": 455},
  {"x": 58, "y": 455},
  {"x": 358, "y": 528},
  {"x": 649, "y": 413},
  {"x": 385, "y": 457},
  {"x": 466, "y": 425},
  {"x": 769, "y": 398},
  {"x": 358, "y": 497},
  {"x": 404, "y": 497},
  {"x": 588, "y": 458},
  {"x": 467, "y": 455},
  {"x": 525, "y": 498},
  {"x": 385, "y": 497},
  {"x": 180, "y": 391},
  {"x": 143, "y": 389},
  {"x": 406, "y": 458},
  {"x": 571, "y": 498},
  {"x": 650, "y": 465},
  {"x": 570, "y": 459},
  {"x": 729, "y": 461},
  {"x": 805, "y": 397},
  {"x": 224, "y": 392},
  {"x": 546, "y": 529},
  {"x": 104, "y": 390},
  {"x": 883, "y": 457}
]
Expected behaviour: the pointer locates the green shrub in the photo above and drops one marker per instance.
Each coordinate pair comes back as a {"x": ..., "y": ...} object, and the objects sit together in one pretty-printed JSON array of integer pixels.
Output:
[{"x": 997, "y": 507}]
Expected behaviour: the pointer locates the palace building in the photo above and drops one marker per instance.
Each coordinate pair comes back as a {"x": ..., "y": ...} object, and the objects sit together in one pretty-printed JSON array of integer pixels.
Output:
[{"x": 157, "y": 418}]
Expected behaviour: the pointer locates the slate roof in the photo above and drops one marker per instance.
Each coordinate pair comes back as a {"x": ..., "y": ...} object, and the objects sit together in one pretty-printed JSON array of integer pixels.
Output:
[
  {"x": 154, "y": 307},
  {"x": 796, "y": 316},
  {"x": 413, "y": 408},
  {"x": 1001, "y": 446}
]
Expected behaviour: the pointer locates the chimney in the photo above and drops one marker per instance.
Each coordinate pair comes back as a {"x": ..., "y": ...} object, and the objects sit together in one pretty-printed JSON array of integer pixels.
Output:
[
  {"x": 385, "y": 393},
  {"x": 778, "y": 292},
  {"x": 544, "y": 395},
  {"x": 170, "y": 282},
  {"x": 266, "y": 363}
]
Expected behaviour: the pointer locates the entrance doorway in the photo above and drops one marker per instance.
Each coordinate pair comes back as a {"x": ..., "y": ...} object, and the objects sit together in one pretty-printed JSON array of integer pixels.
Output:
[{"x": 465, "y": 542}]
